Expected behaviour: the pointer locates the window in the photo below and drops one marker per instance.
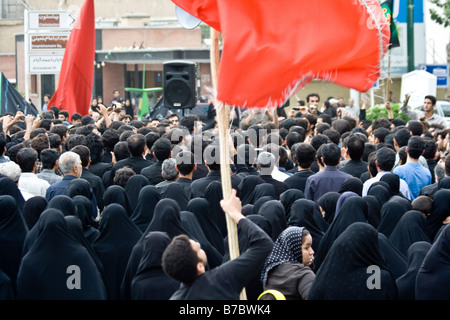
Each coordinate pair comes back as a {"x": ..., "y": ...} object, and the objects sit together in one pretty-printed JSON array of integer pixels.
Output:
[{"x": 11, "y": 9}]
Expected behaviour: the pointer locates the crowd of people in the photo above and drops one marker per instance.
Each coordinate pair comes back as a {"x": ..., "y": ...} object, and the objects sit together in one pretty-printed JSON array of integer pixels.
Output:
[{"x": 328, "y": 205}]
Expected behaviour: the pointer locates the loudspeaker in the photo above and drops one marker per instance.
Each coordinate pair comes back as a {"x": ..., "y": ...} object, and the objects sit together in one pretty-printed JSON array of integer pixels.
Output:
[{"x": 179, "y": 90}]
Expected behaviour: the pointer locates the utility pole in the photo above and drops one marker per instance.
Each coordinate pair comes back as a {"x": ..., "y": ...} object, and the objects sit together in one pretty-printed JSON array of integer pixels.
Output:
[{"x": 410, "y": 34}]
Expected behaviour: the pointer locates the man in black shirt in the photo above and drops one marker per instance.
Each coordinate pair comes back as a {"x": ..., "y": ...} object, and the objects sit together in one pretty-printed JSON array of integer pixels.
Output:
[
  {"x": 185, "y": 261},
  {"x": 304, "y": 156}
]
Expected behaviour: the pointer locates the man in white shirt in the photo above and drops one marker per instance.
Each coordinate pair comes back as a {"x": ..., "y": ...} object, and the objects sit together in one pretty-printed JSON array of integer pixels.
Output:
[
  {"x": 385, "y": 159},
  {"x": 29, "y": 181}
]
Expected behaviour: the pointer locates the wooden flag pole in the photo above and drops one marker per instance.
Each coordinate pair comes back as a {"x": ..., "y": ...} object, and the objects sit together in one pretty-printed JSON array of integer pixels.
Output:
[
  {"x": 223, "y": 115},
  {"x": 388, "y": 77}
]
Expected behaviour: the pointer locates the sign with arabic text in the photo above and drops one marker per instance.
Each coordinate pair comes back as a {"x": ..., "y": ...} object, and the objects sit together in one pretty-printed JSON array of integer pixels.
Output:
[
  {"x": 48, "y": 41},
  {"x": 45, "y": 64}
]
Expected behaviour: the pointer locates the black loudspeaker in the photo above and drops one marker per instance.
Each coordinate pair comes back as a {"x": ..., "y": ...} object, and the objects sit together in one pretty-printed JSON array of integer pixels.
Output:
[{"x": 179, "y": 79}]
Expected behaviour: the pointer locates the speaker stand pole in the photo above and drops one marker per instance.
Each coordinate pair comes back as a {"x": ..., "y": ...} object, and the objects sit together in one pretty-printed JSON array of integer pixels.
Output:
[{"x": 223, "y": 115}]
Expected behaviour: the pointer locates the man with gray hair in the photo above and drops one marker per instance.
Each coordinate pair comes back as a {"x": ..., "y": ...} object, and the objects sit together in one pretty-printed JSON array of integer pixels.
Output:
[
  {"x": 169, "y": 172},
  {"x": 12, "y": 170},
  {"x": 266, "y": 162},
  {"x": 70, "y": 165}
]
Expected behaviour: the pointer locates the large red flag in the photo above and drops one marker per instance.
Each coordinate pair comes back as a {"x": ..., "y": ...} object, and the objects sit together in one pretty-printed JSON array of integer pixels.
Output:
[
  {"x": 273, "y": 48},
  {"x": 74, "y": 91}
]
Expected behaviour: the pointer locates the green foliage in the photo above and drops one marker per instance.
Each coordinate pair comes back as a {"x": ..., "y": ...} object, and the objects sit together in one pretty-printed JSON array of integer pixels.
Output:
[
  {"x": 441, "y": 12},
  {"x": 379, "y": 111}
]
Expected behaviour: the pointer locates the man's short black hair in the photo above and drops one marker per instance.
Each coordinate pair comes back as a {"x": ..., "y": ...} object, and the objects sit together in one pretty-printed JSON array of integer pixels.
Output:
[
  {"x": 49, "y": 158},
  {"x": 84, "y": 154},
  {"x": 331, "y": 154},
  {"x": 334, "y": 135},
  {"x": 312, "y": 95},
  {"x": 75, "y": 140},
  {"x": 293, "y": 138},
  {"x": 416, "y": 127},
  {"x": 380, "y": 133},
  {"x": 65, "y": 113},
  {"x": 136, "y": 144},
  {"x": 162, "y": 149},
  {"x": 385, "y": 158},
  {"x": 321, "y": 127},
  {"x": 179, "y": 260},
  {"x": 185, "y": 162},
  {"x": 212, "y": 156},
  {"x": 432, "y": 98},
  {"x": 26, "y": 159},
  {"x": 109, "y": 139},
  {"x": 121, "y": 150},
  {"x": 305, "y": 154},
  {"x": 188, "y": 121},
  {"x": 76, "y": 116},
  {"x": 60, "y": 129},
  {"x": 326, "y": 118},
  {"x": 416, "y": 147},
  {"x": 402, "y": 136},
  {"x": 430, "y": 148},
  {"x": 318, "y": 140},
  {"x": 355, "y": 147}
]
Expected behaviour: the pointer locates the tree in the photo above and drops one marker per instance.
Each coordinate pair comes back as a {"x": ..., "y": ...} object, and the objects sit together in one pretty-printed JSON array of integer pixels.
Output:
[{"x": 441, "y": 12}]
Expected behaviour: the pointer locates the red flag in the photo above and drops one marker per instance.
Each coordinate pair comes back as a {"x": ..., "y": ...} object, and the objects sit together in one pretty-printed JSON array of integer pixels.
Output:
[
  {"x": 74, "y": 91},
  {"x": 273, "y": 48}
]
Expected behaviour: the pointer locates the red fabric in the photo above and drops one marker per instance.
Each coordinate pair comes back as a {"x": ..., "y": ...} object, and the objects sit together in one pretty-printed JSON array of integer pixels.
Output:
[
  {"x": 273, "y": 48},
  {"x": 74, "y": 91}
]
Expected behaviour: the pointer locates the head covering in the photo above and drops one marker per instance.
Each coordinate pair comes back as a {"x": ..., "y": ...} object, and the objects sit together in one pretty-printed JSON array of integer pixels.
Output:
[
  {"x": 133, "y": 186},
  {"x": 390, "y": 214},
  {"x": 43, "y": 274},
  {"x": 352, "y": 184},
  {"x": 32, "y": 209},
  {"x": 303, "y": 214},
  {"x": 406, "y": 284},
  {"x": 12, "y": 237},
  {"x": 118, "y": 235},
  {"x": 287, "y": 248},
  {"x": 353, "y": 210},
  {"x": 117, "y": 194},
  {"x": 273, "y": 211},
  {"x": 343, "y": 273},
  {"x": 257, "y": 205},
  {"x": 176, "y": 192},
  {"x": 411, "y": 227},
  {"x": 146, "y": 202},
  {"x": 393, "y": 182},
  {"x": 9, "y": 187},
  {"x": 200, "y": 208},
  {"x": 439, "y": 211},
  {"x": 195, "y": 232},
  {"x": 380, "y": 192},
  {"x": 288, "y": 197},
  {"x": 247, "y": 188},
  {"x": 75, "y": 228},
  {"x": 84, "y": 213},
  {"x": 64, "y": 204},
  {"x": 432, "y": 281},
  {"x": 247, "y": 209},
  {"x": 150, "y": 282},
  {"x": 264, "y": 190},
  {"x": 374, "y": 214},
  {"x": 79, "y": 186},
  {"x": 214, "y": 195},
  {"x": 344, "y": 196},
  {"x": 166, "y": 218},
  {"x": 328, "y": 202},
  {"x": 395, "y": 261}
]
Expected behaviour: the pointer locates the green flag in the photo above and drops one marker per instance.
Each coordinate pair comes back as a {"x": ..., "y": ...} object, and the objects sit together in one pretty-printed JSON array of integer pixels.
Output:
[{"x": 387, "y": 6}]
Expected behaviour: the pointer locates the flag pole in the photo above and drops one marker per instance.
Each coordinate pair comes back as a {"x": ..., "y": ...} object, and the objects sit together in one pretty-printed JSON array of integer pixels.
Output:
[
  {"x": 389, "y": 76},
  {"x": 223, "y": 115}
]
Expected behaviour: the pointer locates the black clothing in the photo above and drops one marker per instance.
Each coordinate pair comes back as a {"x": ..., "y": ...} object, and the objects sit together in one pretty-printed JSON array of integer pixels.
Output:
[
  {"x": 328, "y": 203},
  {"x": 273, "y": 211},
  {"x": 343, "y": 274},
  {"x": 133, "y": 187},
  {"x": 117, "y": 194},
  {"x": 97, "y": 187},
  {"x": 280, "y": 187},
  {"x": 227, "y": 281},
  {"x": 149, "y": 197},
  {"x": 150, "y": 282},
  {"x": 32, "y": 209},
  {"x": 288, "y": 197},
  {"x": 118, "y": 235},
  {"x": 134, "y": 163},
  {"x": 153, "y": 173},
  {"x": 355, "y": 168},
  {"x": 43, "y": 273},
  {"x": 175, "y": 191},
  {"x": 298, "y": 180},
  {"x": 199, "y": 186}
]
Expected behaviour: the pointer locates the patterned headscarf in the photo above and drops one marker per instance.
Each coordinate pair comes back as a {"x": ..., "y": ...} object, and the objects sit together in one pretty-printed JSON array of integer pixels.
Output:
[{"x": 287, "y": 247}]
